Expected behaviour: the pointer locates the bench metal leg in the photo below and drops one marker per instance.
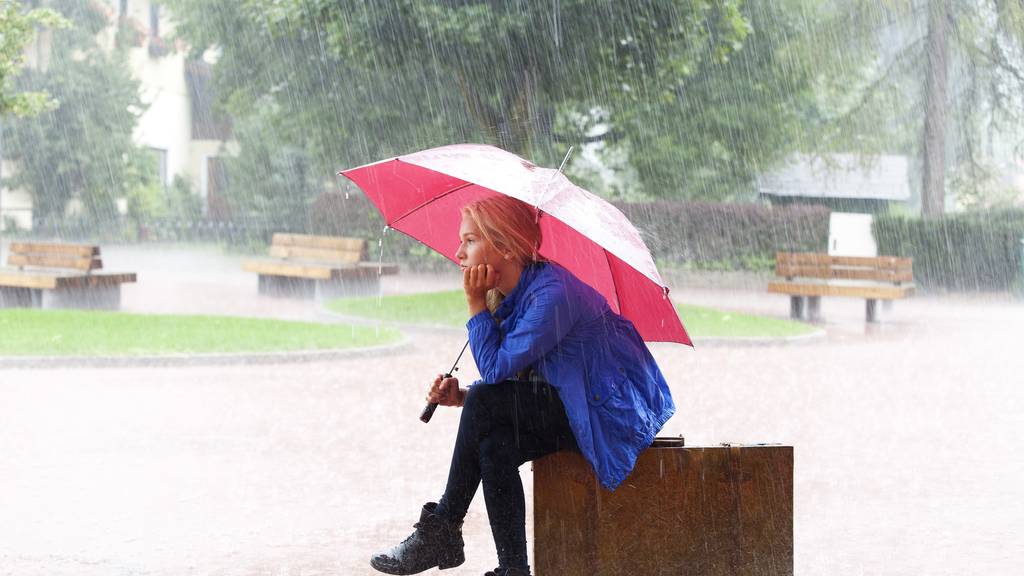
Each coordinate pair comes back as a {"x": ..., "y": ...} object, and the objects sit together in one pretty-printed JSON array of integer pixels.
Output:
[
  {"x": 814, "y": 308},
  {"x": 92, "y": 298},
  {"x": 796, "y": 307},
  {"x": 871, "y": 309},
  {"x": 349, "y": 287},
  {"x": 11, "y": 297},
  {"x": 286, "y": 287}
]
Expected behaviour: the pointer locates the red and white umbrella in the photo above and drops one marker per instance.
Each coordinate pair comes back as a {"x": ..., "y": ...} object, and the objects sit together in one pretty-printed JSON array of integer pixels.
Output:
[{"x": 422, "y": 194}]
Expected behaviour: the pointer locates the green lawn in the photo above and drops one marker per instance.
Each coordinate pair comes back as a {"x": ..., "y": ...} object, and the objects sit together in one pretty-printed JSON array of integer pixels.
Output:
[
  {"x": 436, "y": 308},
  {"x": 449, "y": 309},
  {"x": 86, "y": 333},
  {"x": 703, "y": 322}
]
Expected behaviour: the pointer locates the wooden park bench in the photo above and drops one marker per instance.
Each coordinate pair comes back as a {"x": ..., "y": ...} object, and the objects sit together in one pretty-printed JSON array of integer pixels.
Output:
[
  {"x": 318, "y": 266},
  {"x": 808, "y": 277},
  {"x": 59, "y": 276},
  {"x": 699, "y": 511}
]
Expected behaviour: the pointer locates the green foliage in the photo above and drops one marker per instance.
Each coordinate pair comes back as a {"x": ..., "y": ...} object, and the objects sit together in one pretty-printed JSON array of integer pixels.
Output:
[
  {"x": 732, "y": 117},
  {"x": 17, "y": 27},
  {"x": 144, "y": 194},
  {"x": 182, "y": 202},
  {"x": 690, "y": 98},
  {"x": 524, "y": 58},
  {"x": 82, "y": 149},
  {"x": 701, "y": 322},
  {"x": 746, "y": 262},
  {"x": 878, "y": 102},
  {"x": 344, "y": 214},
  {"x": 432, "y": 308},
  {"x": 670, "y": 81},
  {"x": 970, "y": 251},
  {"x": 93, "y": 333},
  {"x": 271, "y": 176}
]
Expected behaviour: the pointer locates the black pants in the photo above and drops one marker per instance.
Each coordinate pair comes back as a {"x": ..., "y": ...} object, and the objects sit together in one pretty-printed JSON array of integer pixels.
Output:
[{"x": 503, "y": 426}]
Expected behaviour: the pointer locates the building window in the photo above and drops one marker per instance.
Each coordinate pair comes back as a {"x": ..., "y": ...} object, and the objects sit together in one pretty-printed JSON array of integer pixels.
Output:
[
  {"x": 160, "y": 157},
  {"x": 157, "y": 47},
  {"x": 122, "y": 8},
  {"x": 216, "y": 183},
  {"x": 154, "y": 20}
]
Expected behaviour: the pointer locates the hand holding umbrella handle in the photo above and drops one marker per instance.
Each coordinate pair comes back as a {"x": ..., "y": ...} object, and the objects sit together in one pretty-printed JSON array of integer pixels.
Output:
[{"x": 428, "y": 411}]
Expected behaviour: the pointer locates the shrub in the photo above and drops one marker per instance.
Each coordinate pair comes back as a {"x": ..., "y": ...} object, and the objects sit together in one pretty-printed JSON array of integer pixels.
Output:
[
  {"x": 353, "y": 215},
  {"x": 338, "y": 214},
  {"x": 970, "y": 251},
  {"x": 711, "y": 236}
]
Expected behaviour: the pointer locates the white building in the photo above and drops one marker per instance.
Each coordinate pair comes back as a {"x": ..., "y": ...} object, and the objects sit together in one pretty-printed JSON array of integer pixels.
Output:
[{"x": 177, "y": 125}]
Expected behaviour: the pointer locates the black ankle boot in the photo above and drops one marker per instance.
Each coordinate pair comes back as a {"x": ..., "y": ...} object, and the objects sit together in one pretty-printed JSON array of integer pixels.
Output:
[
  {"x": 509, "y": 572},
  {"x": 436, "y": 542}
]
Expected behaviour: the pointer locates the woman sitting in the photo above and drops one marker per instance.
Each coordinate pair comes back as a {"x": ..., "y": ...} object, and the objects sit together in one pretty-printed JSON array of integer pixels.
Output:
[{"x": 559, "y": 371}]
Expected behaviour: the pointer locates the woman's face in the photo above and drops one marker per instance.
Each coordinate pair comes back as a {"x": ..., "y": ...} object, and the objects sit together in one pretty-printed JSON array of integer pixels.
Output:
[{"x": 474, "y": 248}]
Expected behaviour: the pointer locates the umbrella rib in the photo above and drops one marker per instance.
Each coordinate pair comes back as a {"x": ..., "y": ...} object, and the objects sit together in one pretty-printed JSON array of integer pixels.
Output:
[
  {"x": 432, "y": 199},
  {"x": 618, "y": 301}
]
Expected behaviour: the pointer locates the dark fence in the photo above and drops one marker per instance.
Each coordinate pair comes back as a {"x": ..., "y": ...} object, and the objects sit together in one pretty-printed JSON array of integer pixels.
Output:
[{"x": 238, "y": 232}]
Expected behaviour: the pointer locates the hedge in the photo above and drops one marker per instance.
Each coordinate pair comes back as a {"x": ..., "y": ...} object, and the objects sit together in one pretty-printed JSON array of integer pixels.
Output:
[
  {"x": 728, "y": 236},
  {"x": 694, "y": 234},
  {"x": 687, "y": 234},
  {"x": 978, "y": 251}
]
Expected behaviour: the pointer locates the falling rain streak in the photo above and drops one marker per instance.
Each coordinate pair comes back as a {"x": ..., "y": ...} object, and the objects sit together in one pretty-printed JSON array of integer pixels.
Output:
[{"x": 186, "y": 139}]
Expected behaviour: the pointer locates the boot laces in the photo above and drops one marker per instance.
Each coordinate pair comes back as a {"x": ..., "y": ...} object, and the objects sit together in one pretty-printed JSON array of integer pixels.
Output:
[{"x": 413, "y": 535}]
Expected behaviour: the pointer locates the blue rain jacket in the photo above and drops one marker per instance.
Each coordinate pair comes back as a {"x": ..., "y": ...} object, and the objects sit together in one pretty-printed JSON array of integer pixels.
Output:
[{"x": 613, "y": 391}]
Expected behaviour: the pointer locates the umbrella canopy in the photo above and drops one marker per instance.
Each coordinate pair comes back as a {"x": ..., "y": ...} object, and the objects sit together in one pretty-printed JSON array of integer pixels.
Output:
[{"x": 422, "y": 194}]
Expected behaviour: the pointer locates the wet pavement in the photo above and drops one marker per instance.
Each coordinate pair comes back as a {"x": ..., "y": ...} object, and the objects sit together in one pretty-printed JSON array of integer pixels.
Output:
[{"x": 907, "y": 460}]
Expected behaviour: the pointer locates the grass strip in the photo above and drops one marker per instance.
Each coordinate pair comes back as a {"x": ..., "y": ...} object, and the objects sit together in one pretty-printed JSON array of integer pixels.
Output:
[
  {"x": 25, "y": 332},
  {"x": 449, "y": 309}
]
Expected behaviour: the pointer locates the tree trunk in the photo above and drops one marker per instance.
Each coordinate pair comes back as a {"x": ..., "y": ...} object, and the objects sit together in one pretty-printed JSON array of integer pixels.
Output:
[{"x": 933, "y": 189}]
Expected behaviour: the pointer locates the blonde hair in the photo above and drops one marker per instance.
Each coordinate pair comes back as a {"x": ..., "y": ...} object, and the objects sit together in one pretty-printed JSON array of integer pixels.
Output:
[{"x": 511, "y": 225}]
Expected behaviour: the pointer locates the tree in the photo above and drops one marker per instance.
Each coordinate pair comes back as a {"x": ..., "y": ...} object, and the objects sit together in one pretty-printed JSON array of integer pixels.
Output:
[
  {"x": 667, "y": 79},
  {"x": 697, "y": 97},
  {"x": 734, "y": 117},
  {"x": 17, "y": 27},
  {"x": 945, "y": 88},
  {"x": 515, "y": 64},
  {"x": 81, "y": 149}
]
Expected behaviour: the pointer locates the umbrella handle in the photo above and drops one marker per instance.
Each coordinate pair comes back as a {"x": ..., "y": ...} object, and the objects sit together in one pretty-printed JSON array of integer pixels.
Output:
[{"x": 428, "y": 410}]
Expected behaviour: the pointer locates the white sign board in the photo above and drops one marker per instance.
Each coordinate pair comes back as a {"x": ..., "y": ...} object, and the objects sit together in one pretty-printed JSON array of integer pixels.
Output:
[{"x": 850, "y": 235}]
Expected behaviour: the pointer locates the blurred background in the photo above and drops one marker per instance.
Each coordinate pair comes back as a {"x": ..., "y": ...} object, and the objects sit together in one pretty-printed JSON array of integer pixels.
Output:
[{"x": 726, "y": 130}]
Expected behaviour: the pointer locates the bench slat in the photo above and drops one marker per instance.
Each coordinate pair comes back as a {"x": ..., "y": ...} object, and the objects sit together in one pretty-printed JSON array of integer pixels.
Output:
[
  {"x": 316, "y": 254},
  {"x": 871, "y": 292},
  {"x": 321, "y": 242},
  {"x": 800, "y": 258},
  {"x": 96, "y": 280},
  {"x": 292, "y": 269},
  {"x": 79, "y": 250},
  {"x": 844, "y": 273},
  {"x": 324, "y": 259},
  {"x": 54, "y": 260},
  {"x": 50, "y": 281},
  {"x": 25, "y": 280}
]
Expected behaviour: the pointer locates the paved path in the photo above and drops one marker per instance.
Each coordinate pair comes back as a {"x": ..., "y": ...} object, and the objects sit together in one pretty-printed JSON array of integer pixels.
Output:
[{"x": 907, "y": 456}]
